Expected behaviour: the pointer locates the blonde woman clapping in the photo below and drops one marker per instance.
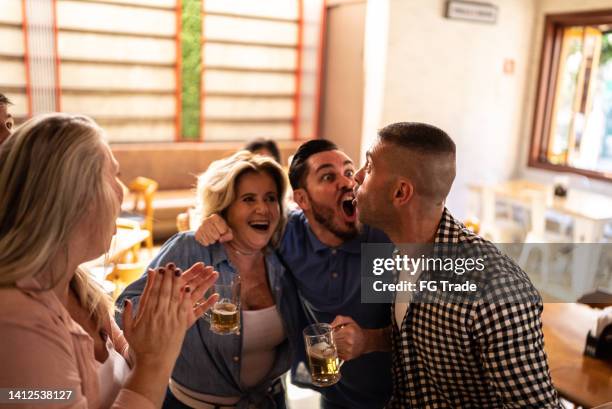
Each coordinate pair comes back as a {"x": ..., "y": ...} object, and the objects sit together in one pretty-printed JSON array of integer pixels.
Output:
[{"x": 60, "y": 197}]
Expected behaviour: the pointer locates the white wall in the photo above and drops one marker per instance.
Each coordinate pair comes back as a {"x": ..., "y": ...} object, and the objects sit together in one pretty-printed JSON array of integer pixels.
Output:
[
  {"x": 544, "y": 7},
  {"x": 374, "y": 68},
  {"x": 450, "y": 73}
]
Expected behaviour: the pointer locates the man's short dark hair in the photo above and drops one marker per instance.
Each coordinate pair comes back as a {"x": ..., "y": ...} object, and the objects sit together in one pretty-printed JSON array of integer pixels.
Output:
[
  {"x": 298, "y": 171},
  {"x": 4, "y": 100},
  {"x": 267, "y": 144},
  {"x": 434, "y": 174},
  {"x": 418, "y": 136}
]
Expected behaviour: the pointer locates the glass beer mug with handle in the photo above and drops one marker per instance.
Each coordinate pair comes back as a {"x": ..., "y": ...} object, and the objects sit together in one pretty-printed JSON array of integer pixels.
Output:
[
  {"x": 322, "y": 354},
  {"x": 224, "y": 316}
]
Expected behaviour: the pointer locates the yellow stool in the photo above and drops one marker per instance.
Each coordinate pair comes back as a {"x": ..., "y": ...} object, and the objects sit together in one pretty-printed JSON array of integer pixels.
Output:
[{"x": 124, "y": 274}]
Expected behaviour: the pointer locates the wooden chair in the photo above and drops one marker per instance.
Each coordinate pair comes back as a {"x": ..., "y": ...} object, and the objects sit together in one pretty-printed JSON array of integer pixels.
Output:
[{"x": 142, "y": 190}]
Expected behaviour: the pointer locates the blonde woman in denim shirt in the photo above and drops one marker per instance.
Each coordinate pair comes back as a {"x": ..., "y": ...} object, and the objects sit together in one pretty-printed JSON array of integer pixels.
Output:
[{"x": 243, "y": 370}]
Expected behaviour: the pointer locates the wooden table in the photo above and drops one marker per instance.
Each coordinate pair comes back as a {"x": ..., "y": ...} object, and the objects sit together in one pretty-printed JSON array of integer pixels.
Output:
[
  {"x": 122, "y": 242},
  {"x": 580, "y": 379}
]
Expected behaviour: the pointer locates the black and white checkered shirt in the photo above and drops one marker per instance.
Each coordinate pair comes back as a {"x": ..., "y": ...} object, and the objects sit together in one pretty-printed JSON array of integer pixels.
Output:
[{"x": 477, "y": 354}]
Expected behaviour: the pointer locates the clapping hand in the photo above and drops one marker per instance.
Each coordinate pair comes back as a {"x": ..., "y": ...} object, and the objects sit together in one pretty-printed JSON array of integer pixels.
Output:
[{"x": 170, "y": 304}]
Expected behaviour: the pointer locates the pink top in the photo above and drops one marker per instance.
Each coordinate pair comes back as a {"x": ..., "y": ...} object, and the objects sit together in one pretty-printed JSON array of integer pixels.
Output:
[{"x": 43, "y": 347}]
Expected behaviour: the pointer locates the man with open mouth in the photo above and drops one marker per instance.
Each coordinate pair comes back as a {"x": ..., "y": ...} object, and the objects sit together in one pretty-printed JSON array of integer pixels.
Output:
[
  {"x": 321, "y": 246},
  {"x": 451, "y": 351}
]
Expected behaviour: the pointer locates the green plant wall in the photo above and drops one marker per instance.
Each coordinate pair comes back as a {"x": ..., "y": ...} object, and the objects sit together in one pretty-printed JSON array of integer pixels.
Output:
[{"x": 191, "y": 46}]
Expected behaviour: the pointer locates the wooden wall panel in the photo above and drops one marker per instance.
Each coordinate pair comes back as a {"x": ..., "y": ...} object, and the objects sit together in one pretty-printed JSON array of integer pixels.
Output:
[
  {"x": 248, "y": 108},
  {"x": 246, "y": 131},
  {"x": 147, "y": 3},
  {"x": 11, "y": 12},
  {"x": 140, "y": 106},
  {"x": 19, "y": 109},
  {"x": 12, "y": 41},
  {"x": 269, "y": 8},
  {"x": 242, "y": 29},
  {"x": 239, "y": 56},
  {"x": 250, "y": 82},
  {"x": 74, "y": 45},
  {"x": 153, "y": 132},
  {"x": 116, "y": 77},
  {"x": 86, "y": 16},
  {"x": 117, "y": 63},
  {"x": 13, "y": 73}
]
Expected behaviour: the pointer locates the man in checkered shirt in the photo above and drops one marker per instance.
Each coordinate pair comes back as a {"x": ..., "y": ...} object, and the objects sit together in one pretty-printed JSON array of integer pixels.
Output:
[{"x": 485, "y": 353}]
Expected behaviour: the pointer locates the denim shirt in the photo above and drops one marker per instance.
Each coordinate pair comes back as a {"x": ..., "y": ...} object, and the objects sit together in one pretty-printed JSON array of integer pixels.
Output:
[{"x": 210, "y": 363}]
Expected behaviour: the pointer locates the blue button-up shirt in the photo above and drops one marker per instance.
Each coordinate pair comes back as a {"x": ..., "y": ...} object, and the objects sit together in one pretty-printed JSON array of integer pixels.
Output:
[
  {"x": 329, "y": 282},
  {"x": 210, "y": 363}
]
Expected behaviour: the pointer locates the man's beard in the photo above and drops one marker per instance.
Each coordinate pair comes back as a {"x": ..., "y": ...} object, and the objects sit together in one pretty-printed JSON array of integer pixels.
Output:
[{"x": 324, "y": 215}]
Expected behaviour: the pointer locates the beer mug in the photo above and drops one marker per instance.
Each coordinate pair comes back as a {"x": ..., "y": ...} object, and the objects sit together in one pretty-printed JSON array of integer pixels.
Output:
[
  {"x": 224, "y": 316},
  {"x": 322, "y": 354}
]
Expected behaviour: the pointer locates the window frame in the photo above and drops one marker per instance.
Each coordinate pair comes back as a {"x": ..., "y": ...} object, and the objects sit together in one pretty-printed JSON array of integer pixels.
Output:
[{"x": 547, "y": 85}]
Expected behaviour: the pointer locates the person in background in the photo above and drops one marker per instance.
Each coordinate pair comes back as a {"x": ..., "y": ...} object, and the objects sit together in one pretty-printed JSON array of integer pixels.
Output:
[
  {"x": 321, "y": 246},
  {"x": 488, "y": 352},
  {"x": 60, "y": 198},
  {"x": 6, "y": 119},
  {"x": 265, "y": 147},
  {"x": 244, "y": 369}
]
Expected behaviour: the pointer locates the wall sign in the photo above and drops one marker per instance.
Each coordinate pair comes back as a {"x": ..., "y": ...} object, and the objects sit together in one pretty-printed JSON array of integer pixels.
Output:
[{"x": 472, "y": 11}]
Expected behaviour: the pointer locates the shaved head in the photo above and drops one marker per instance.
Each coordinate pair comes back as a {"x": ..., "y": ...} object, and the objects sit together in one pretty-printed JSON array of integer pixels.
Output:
[{"x": 423, "y": 154}]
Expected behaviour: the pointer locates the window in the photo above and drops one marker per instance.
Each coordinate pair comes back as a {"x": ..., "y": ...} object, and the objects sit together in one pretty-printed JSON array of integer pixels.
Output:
[{"x": 573, "y": 120}]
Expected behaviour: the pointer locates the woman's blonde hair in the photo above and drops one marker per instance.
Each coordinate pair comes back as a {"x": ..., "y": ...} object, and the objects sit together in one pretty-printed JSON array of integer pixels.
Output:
[
  {"x": 51, "y": 176},
  {"x": 217, "y": 186}
]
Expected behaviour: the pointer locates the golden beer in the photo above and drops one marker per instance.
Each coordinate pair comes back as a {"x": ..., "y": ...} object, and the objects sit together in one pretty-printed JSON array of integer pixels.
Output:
[
  {"x": 225, "y": 318},
  {"x": 324, "y": 364}
]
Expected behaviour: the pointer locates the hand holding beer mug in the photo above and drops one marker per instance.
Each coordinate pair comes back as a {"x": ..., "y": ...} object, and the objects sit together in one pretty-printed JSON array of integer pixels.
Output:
[
  {"x": 322, "y": 354},
  {"x": 224, "y": 316}
]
